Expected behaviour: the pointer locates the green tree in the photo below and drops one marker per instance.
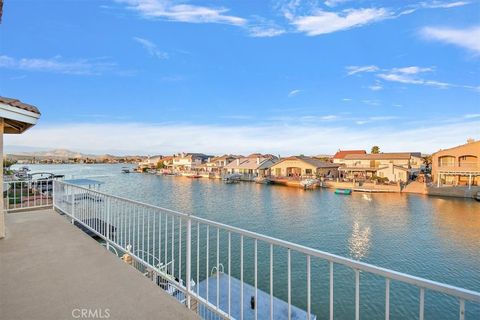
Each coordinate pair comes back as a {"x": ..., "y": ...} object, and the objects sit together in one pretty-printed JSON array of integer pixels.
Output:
[
  {"x": 7, "y": 163},
  {"x": 160, "y": 165},
  {"x": 375, "y": 149}
]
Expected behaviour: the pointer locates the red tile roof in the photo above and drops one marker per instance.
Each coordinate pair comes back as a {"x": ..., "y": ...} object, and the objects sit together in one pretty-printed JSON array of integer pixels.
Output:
[{"x": 342, "y": 153}]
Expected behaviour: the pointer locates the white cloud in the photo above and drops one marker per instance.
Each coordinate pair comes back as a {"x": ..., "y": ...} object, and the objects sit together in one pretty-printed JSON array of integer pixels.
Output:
[
  {"x": 471, "y": 116},
  {"x": 293, "y": 93},
  {"x": 408, "y": 79},
  {"x": 151, "y": 48},
  {"x": 373, "y": 103},
  {"x": 58, "y": 65},
  {"x": 406, "y": 75},
  {"x": 334, "y": 3},
  {"x": 443, "y": 4},
  {"x": 466, "y": 38},
  {"x": 351, "y": 70},
  {"x": 265, "y": 32},
  {"x": 376, "y": 87},
  {"x": 375, "y": 119},
  {"x": 411, "y": 70},
  {"x": 168, "y": 10},
  {"x": 278, "y": 138},
  {"x": 323, "y": 22}
]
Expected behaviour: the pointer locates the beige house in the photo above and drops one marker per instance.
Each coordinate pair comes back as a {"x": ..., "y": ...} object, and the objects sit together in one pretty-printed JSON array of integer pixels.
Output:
[
  {"x": 15, "y": 118},
  {"x": 339, "y": 157},
  {"x": 217, "y": 164},
  {"x": 458, "y": 165},
  {"x": 251, "y": 166},
  {"x": 188, "y": 161},
  {"x": 398, "y": 166},
  {"x": 302, "y": 167}
]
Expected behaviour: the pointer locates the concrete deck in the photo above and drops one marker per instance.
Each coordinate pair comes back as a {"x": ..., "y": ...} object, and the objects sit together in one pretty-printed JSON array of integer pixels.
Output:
[{"x": 49, "y": 269}]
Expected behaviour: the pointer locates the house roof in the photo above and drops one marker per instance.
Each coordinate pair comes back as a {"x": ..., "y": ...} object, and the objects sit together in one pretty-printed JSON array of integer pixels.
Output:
[
  {"x": 383, "y": 156},
  {"x": 342, "y": 153},
  {"x": 18, "y": 104},
  {"x": 457, "y": 147},
  {"x": 250, "y": 163},
  {"x": 17, "y": 116},
  {"x": 317, "y": 163}
]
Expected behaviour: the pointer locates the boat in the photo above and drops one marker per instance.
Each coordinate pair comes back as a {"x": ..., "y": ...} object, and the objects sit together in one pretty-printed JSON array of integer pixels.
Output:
[
  {"x": 125, "y": 170},
  {"x": 309, "y": 183},
  {"x": 477, "y": 196},
  {"x": 343, "y": 191},
  {"x": 263, "y": 180},
  {"x": 231, "y": 178},
  {"x": 194, "y": 176}
]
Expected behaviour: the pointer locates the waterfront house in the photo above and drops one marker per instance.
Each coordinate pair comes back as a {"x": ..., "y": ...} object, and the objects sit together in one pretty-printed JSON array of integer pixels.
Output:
[
  {"x": 255, "y": 165},
  {"x": 184, "y": 162},
  {"x": 339, "y": 157},
  {"x": 395, "y": 166},
  {"x": 457, "y": 166},
  {"x": 216, "y": 164},
  {"x": 15, "y": 118},
  {"x": 149, "y": 163},
  {"x": 302, "y": 166}
]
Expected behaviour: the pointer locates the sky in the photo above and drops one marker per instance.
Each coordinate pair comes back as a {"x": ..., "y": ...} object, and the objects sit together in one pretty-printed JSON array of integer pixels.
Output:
[{"x": 273, "y": 76}]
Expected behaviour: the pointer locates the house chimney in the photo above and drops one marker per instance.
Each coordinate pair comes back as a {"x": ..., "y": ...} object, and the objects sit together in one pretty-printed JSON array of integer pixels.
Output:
[
  {"x": 238, "y": 162},
  {"x": 258, "y": 160}
]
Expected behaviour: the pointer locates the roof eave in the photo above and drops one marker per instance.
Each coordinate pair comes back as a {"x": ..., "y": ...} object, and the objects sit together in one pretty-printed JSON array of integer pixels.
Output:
[{"x": 17, "y": 120}]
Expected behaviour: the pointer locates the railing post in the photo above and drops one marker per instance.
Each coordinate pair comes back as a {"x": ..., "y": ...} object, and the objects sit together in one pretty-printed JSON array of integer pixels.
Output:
[
  {"x": 107, "y": 223},
  {"x": 189, "y": 258},
  {"x": 54, "y": 185},
  {"x": 73, "y": 205}
]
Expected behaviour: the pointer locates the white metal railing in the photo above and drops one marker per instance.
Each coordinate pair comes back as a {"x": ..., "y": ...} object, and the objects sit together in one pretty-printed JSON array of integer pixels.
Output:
[
  {"x": 192, "y": 246},
  {"x": 27, "y": 194}
]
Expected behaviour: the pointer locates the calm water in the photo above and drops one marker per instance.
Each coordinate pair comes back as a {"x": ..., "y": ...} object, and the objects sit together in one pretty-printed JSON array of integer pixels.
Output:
[{"x": 434, "y": 238}]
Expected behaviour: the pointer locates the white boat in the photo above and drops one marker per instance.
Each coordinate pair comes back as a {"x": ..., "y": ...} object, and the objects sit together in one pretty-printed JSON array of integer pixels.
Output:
[
  {"x": 309, "y": 183},
  {"x": 231, "y": 178},
  {"x": 263, "y": 180}
]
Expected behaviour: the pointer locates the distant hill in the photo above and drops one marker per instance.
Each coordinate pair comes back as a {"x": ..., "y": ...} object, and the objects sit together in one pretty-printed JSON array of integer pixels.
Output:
[{"x": 63, "y": 154}]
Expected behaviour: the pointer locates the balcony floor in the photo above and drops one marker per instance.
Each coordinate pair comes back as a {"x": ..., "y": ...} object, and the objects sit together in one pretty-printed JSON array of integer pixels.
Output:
[{"x": 48, "y": 268}]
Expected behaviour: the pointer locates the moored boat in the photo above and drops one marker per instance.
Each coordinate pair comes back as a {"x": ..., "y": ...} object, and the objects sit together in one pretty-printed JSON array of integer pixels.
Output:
[
  {"x": 477, "y": 196},
  {"x": 343, "y": 191},
  {"x": 263, "y": 180},
  {"x": 125, "y": 170},
  {"x": 309, "y": 183},
  {"x": 231, "y": 178}
]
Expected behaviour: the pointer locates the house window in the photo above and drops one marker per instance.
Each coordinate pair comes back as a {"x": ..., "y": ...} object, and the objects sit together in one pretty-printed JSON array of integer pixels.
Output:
[
  {"x": 308, "y": 171},
  {"x": 446, "y": 161}
]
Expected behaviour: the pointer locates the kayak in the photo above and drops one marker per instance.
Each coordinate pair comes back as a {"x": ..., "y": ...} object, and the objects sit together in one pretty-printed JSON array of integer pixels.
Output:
[{"x": 343, "y": 191}]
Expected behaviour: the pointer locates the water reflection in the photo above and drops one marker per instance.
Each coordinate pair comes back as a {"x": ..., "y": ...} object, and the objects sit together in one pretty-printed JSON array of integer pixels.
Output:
[{"x": 359, "y": 241}]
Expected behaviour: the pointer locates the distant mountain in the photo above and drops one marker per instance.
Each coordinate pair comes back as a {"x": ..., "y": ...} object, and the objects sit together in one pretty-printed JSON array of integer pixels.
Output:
[
  {"x": 61, "y": 154},
  {"x": 56, "y": 154}
]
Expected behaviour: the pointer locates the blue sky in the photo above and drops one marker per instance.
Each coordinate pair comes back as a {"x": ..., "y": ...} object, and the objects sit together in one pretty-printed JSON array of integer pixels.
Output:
[{"x": 286, "y": 77}]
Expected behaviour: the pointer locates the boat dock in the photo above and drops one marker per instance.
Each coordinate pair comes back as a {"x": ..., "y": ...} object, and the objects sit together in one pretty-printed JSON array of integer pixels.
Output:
[{"x": 280, "y": 307}]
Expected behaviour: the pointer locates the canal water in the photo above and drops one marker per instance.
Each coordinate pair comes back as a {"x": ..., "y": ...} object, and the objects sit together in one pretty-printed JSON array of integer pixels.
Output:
[{"x": 430, "y": 237}]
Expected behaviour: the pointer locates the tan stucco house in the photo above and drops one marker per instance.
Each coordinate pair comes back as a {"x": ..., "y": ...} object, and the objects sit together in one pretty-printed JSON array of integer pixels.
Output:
[
  {"x": 302, "y": 166},
  {"x": 395, "y": 166},
  {"x": 15, "y": 118},
  {"x": 458, "y": 165}
]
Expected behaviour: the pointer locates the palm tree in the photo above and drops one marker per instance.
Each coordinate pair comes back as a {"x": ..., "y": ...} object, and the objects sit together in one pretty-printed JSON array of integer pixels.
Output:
[{"x": 375, "y": 149}]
